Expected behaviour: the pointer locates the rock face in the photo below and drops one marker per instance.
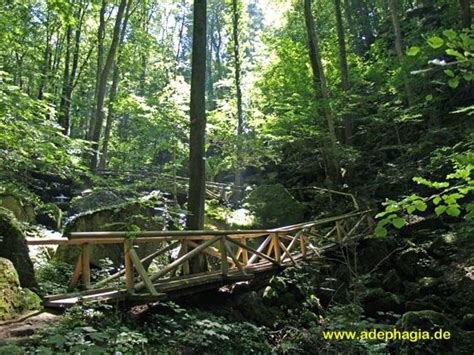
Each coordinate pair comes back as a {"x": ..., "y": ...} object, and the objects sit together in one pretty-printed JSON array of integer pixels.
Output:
[
  {"x": 13, "y": 247},
  {"x": 274, "y": 206},
  {"x": 22, "y": 211},
  {"x": 50, "y": 216},
  {"x": 124, "y": 217},
  {"x": 431, "y": 321},
  {"x": 96, "y": 200},
  {"x": 14, "y": 299}
]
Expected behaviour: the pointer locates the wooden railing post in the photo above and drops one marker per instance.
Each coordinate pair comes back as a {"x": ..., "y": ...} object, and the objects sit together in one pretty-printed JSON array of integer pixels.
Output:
[
  {"x": 86, "y": 265},
  {"x": 276, "y": 246},
  {"x": 223, "y": 250},
  {"x": 185, "y": 249},
  {"x": 128, "y": 266},
  {"x": 245, "y": 253},
  {"x": 303, "y": 245}
]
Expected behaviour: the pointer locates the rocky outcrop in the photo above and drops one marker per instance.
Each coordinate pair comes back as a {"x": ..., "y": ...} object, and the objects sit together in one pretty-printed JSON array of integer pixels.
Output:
[
  {"x": 21, "y": 210},
  {"x": 49, "y": 215},
  {"x": 13, "y": 247},
  {"x": 95, "y": 200},
  {"x": 137, "y": 215},
  {"x": 14, "y": 300}
]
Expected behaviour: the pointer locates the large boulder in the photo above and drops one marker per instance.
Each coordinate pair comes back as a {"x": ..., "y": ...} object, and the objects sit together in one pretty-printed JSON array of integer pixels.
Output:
[
  {"x": 430, "y": 321},
  {"x": 14, "y": 300},
  {"x": 137, "y": 215},
  {"x": 414, "y": 263},
  {"x": 13, "y": 247},
  {"x": 376, "y": 301},
  {"x": 274, "y": 206},
  {"x": 21, "y": 210},
  {"x": 49, "y": 215},
  {"x": 95, "y": 201}
]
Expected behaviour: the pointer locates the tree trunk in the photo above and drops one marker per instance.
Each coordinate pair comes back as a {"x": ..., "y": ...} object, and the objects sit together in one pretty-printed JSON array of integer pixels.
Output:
[
  {"x": 197, "y": 179},
  {"x": 113, "y": 93},
  {"x": 466, "y": 13},
  {"x": 399, "y": 48},
  {"x": 238, "y": 92},
  {"x": 70, "y": 76},
  {"x": 319, "y": 77},
  {"x": 344, "y": 70},
  {"x": 100, "y": 65},
  {"x": 99, "y": 111},
  {"x": 46, "y": 59},
  {"x": 66, "y": 82}
]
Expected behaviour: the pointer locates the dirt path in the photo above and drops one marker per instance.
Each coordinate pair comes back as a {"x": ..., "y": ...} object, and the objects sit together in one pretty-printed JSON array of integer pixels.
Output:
[{"x": 23, "y": 328}]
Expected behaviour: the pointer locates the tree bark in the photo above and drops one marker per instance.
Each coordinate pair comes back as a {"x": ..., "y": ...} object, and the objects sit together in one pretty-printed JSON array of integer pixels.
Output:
[
  {"x": 46, "y": 59},
  {"x": 70, "y": 76},
  {"x": 99, "y": 111},
  {"x": 344, "y": 70},
  {"x": 238, "y": 92},
  {"x": 66, "y": 82},
  {"x": 399, "y": 48},
  {"x": 466, "y": 13},
  {"x": 100, "y": 65},
  {"x": 319, "y": 77},
  {"x": 197, "y": 180},
  {"x": 113, "y": 93}
]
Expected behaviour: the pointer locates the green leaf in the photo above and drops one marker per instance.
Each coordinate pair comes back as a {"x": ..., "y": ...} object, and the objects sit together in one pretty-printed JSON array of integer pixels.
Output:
[
  {"x": 451, "y": 34},
  {"x": 440, "y": 210},
  {"x": 422, "y": 181},
  {"x": 411, "y": 209},
  {"x": 413, "y": 51},
  {"x": 398, "y": 223},
  {"x": 453, "y": 211},
  {"x": 437, "y": 200},
  {"x": 449, "y": 73},
  {"x": 420, "y": 206},
  {"x": 455, "y": 53},
  {"x": 453, "y": 83},
  {"x": 435, "y": 42},
  {"x": 380, "y": 231},
  {"x": 468, "y": 76},
  {"x": 470, "y": 215},
  {"x": 429, "y": 98}
]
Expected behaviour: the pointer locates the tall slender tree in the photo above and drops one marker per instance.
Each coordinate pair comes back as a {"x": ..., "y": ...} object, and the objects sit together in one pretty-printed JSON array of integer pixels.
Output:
[
  {"x": 99, "y": 114},
  {"x": 466, "y": 13},
  {"x": 113, "y": 92},
  {"x": 343, "y": 69},
  {"x": 392, "y": 4},
  {"x": 238, "y": 89},
  {"x": 70, "y": 70},
  {"x": 197, "y": 170},
  {"x": 320, "y": 81}
]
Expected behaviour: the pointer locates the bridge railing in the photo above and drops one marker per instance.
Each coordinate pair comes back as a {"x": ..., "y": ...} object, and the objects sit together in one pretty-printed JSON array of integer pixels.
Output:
[{"x": 236, "y": 254}]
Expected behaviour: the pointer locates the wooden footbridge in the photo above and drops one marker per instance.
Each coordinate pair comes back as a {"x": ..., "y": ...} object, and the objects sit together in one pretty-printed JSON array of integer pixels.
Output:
[{"x": 232, "y": 256}]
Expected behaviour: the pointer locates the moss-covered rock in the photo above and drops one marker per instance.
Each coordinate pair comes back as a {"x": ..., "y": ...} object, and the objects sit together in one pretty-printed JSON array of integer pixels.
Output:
[
  {"x": 430, "y": 321},
  {"x": 137, "y": 215},
  {"x": 95, "y": 200},
  {"x": 14, "y": 300},
  {"x": 274, "y": 206},
  {"x": 375, "y": 300},
  {"x": 415, "y": 263},
  {"x": 13, "y": 247},
  {"x": 253, "y": 309},
  {"x": 50, "y": 216},
  {"x": 21, "y": 210}
]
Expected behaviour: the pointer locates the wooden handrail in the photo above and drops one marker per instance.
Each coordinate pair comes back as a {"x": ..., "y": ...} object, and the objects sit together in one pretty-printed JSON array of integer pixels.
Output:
[{"x": 230, "y": 248}]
